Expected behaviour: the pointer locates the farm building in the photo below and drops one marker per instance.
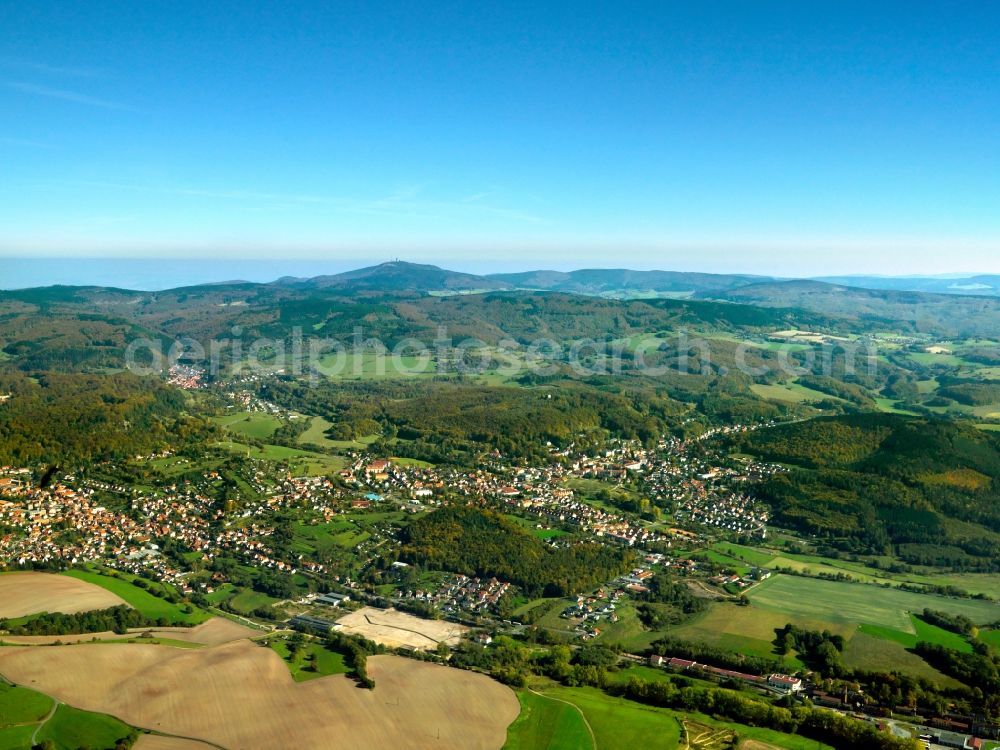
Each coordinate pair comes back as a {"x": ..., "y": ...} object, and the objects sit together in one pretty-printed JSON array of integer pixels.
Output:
[
  {"x": 784, "y": 683},
  {"x": 311, "y": 624},
  {"x": 332, "y": 600}
]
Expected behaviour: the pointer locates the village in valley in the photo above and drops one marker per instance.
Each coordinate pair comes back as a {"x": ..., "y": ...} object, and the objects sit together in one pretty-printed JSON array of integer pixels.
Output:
[{"x": 248, "y": 537}]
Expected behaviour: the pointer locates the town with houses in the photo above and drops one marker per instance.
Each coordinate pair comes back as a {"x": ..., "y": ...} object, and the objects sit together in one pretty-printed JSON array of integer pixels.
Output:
[{"x": 73, "y": 519}]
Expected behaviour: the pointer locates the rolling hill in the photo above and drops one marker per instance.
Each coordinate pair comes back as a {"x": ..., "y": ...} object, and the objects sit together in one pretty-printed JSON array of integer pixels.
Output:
[
  {"x": 949, "y": 315},
  {"x": 928, "y": 490}
]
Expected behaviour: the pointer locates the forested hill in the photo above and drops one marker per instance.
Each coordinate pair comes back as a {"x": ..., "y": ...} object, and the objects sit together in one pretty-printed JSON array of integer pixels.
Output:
[
  {"x": 926, "y": 489},
  {"x": 481, "y": 543},
  {"x": 906, "y": 311},
  {"x": 68, "y": 327},
  {"x": 72, "y": 419}
]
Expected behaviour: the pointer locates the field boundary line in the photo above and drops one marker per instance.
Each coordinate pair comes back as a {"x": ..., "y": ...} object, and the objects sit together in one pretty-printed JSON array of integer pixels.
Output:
[{"x": 590, "y": 729}]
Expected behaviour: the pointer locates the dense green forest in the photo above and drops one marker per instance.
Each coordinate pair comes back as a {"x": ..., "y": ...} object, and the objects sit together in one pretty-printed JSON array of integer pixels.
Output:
[
  {"x": 879, "y": 483},
  {"x": 73, "y": 327},
  {"x": 482, "y": 543},
  {"x": 455, "y": 421},
  {"x": 64, "y": 418}
]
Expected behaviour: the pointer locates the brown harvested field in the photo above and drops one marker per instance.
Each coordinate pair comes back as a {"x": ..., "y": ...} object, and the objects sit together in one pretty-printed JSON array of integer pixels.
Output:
[
  {"x": 241, "y": 696},
  {"x": 159, "y": 742},
  {"x": 393, "y": 628},
  {"x": 29, "y": 593},
  {"x": 213, "y": 632}
]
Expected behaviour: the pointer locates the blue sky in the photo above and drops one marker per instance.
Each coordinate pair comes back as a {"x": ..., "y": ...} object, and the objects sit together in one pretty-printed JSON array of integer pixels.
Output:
[{"x": 788, "y": 138}]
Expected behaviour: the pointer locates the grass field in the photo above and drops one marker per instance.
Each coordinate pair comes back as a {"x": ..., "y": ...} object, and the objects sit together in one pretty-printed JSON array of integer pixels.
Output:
[
  {"x": 316, "y": 435},
  {"x": 619, "y": 723},
  {"x": 252, "y": 424},
  {"x": 415, "y": 463},
  {"x": 70, "y": 729},
  {"x": 992, "y": 637},
  {"x": 324, "y": 537},
  {"x": 151, "y": 606},
  {"x": 930, "y": 359},
  {"x": 750, "y": 555},
  {"x": 301, "y": 462},
  {"x": 545, "y": 724},
  {"x": 923, "y": 631},
  {"x": 247, "y": 600},
  {"x": 628, "y": 632},
  {"x": 310, "y": 661},
  {"x": 836, "y": 602},
  {"x": 791, "y": 392},
  {"x": 19, "y": 705},
  {"x": 16, "y": 738},
  {"x": 374, "y": 366},
  {"x": 973, "y": 583},
  {"x": 749, "y": 630},
  {"x": 721, "y": 558},
  {"x": 872, "y": 653},
  {"x": 891, "y": 406}
]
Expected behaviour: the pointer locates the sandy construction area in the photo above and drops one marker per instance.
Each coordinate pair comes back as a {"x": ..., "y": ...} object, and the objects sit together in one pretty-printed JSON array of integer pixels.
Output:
[
  {"x": 241, "y": 696},
  {"x": 29, "y": 593},
  {"x": 213, "y": 632},
  {"x": 395, "y": 629}
]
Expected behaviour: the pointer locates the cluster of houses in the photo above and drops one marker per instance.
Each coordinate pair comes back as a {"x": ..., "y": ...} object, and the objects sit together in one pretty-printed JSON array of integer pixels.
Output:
[
  {"x": 461, "y": 593},
  {"x": 590, "y": 611},
  {"x": 185, "y": 376},
  {"x": 69, "y": 522},
  {"x": 74, "y": 522},
  {"x": 755, "y": 576},
  {"x": 558, "y": 507}
]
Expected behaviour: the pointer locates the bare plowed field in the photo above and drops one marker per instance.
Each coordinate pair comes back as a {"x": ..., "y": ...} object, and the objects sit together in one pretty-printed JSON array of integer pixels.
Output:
[
  {"x": 242, "y": 697},
  {"x": 30, "y": 593},
  {"x": 158, "y": 742},
  {"x": 212, "y": 632}
]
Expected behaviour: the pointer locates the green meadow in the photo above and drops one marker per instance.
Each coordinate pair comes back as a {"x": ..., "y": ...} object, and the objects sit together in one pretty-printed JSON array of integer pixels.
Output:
[
  {"x": 838, "y": 602},
  {"x": 299, "y": 461},
  {"x": 151, "y": 606},
  {"x": 71, "y": 729},
  {"x": 251, "y": 424}
]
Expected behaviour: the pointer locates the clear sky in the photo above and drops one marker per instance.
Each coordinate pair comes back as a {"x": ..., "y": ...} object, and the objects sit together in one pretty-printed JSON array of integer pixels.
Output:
[{"x": 788, "y": 138}]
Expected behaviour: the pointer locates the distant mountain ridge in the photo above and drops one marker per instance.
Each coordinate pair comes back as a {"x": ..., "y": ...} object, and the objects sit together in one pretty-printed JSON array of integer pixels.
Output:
[
  {"x": 608, "y": 280},
  {"x": 419, "y": 277},
  {"x": 405, "y": 276},
  {"x": 400, "y": 276},
  {"x": 980, "y": 284},
  {"x": 945, "y": 315}
]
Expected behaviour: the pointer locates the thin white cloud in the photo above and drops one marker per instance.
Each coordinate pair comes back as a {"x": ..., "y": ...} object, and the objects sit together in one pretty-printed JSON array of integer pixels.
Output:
[
  {"x": 64, "y": 95},
  {"x": 404, "y": 202},
  {"x": 476, "y": 197},
  {"x": 25, "y": 142},
  {"x": 53, "y": 70}
]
